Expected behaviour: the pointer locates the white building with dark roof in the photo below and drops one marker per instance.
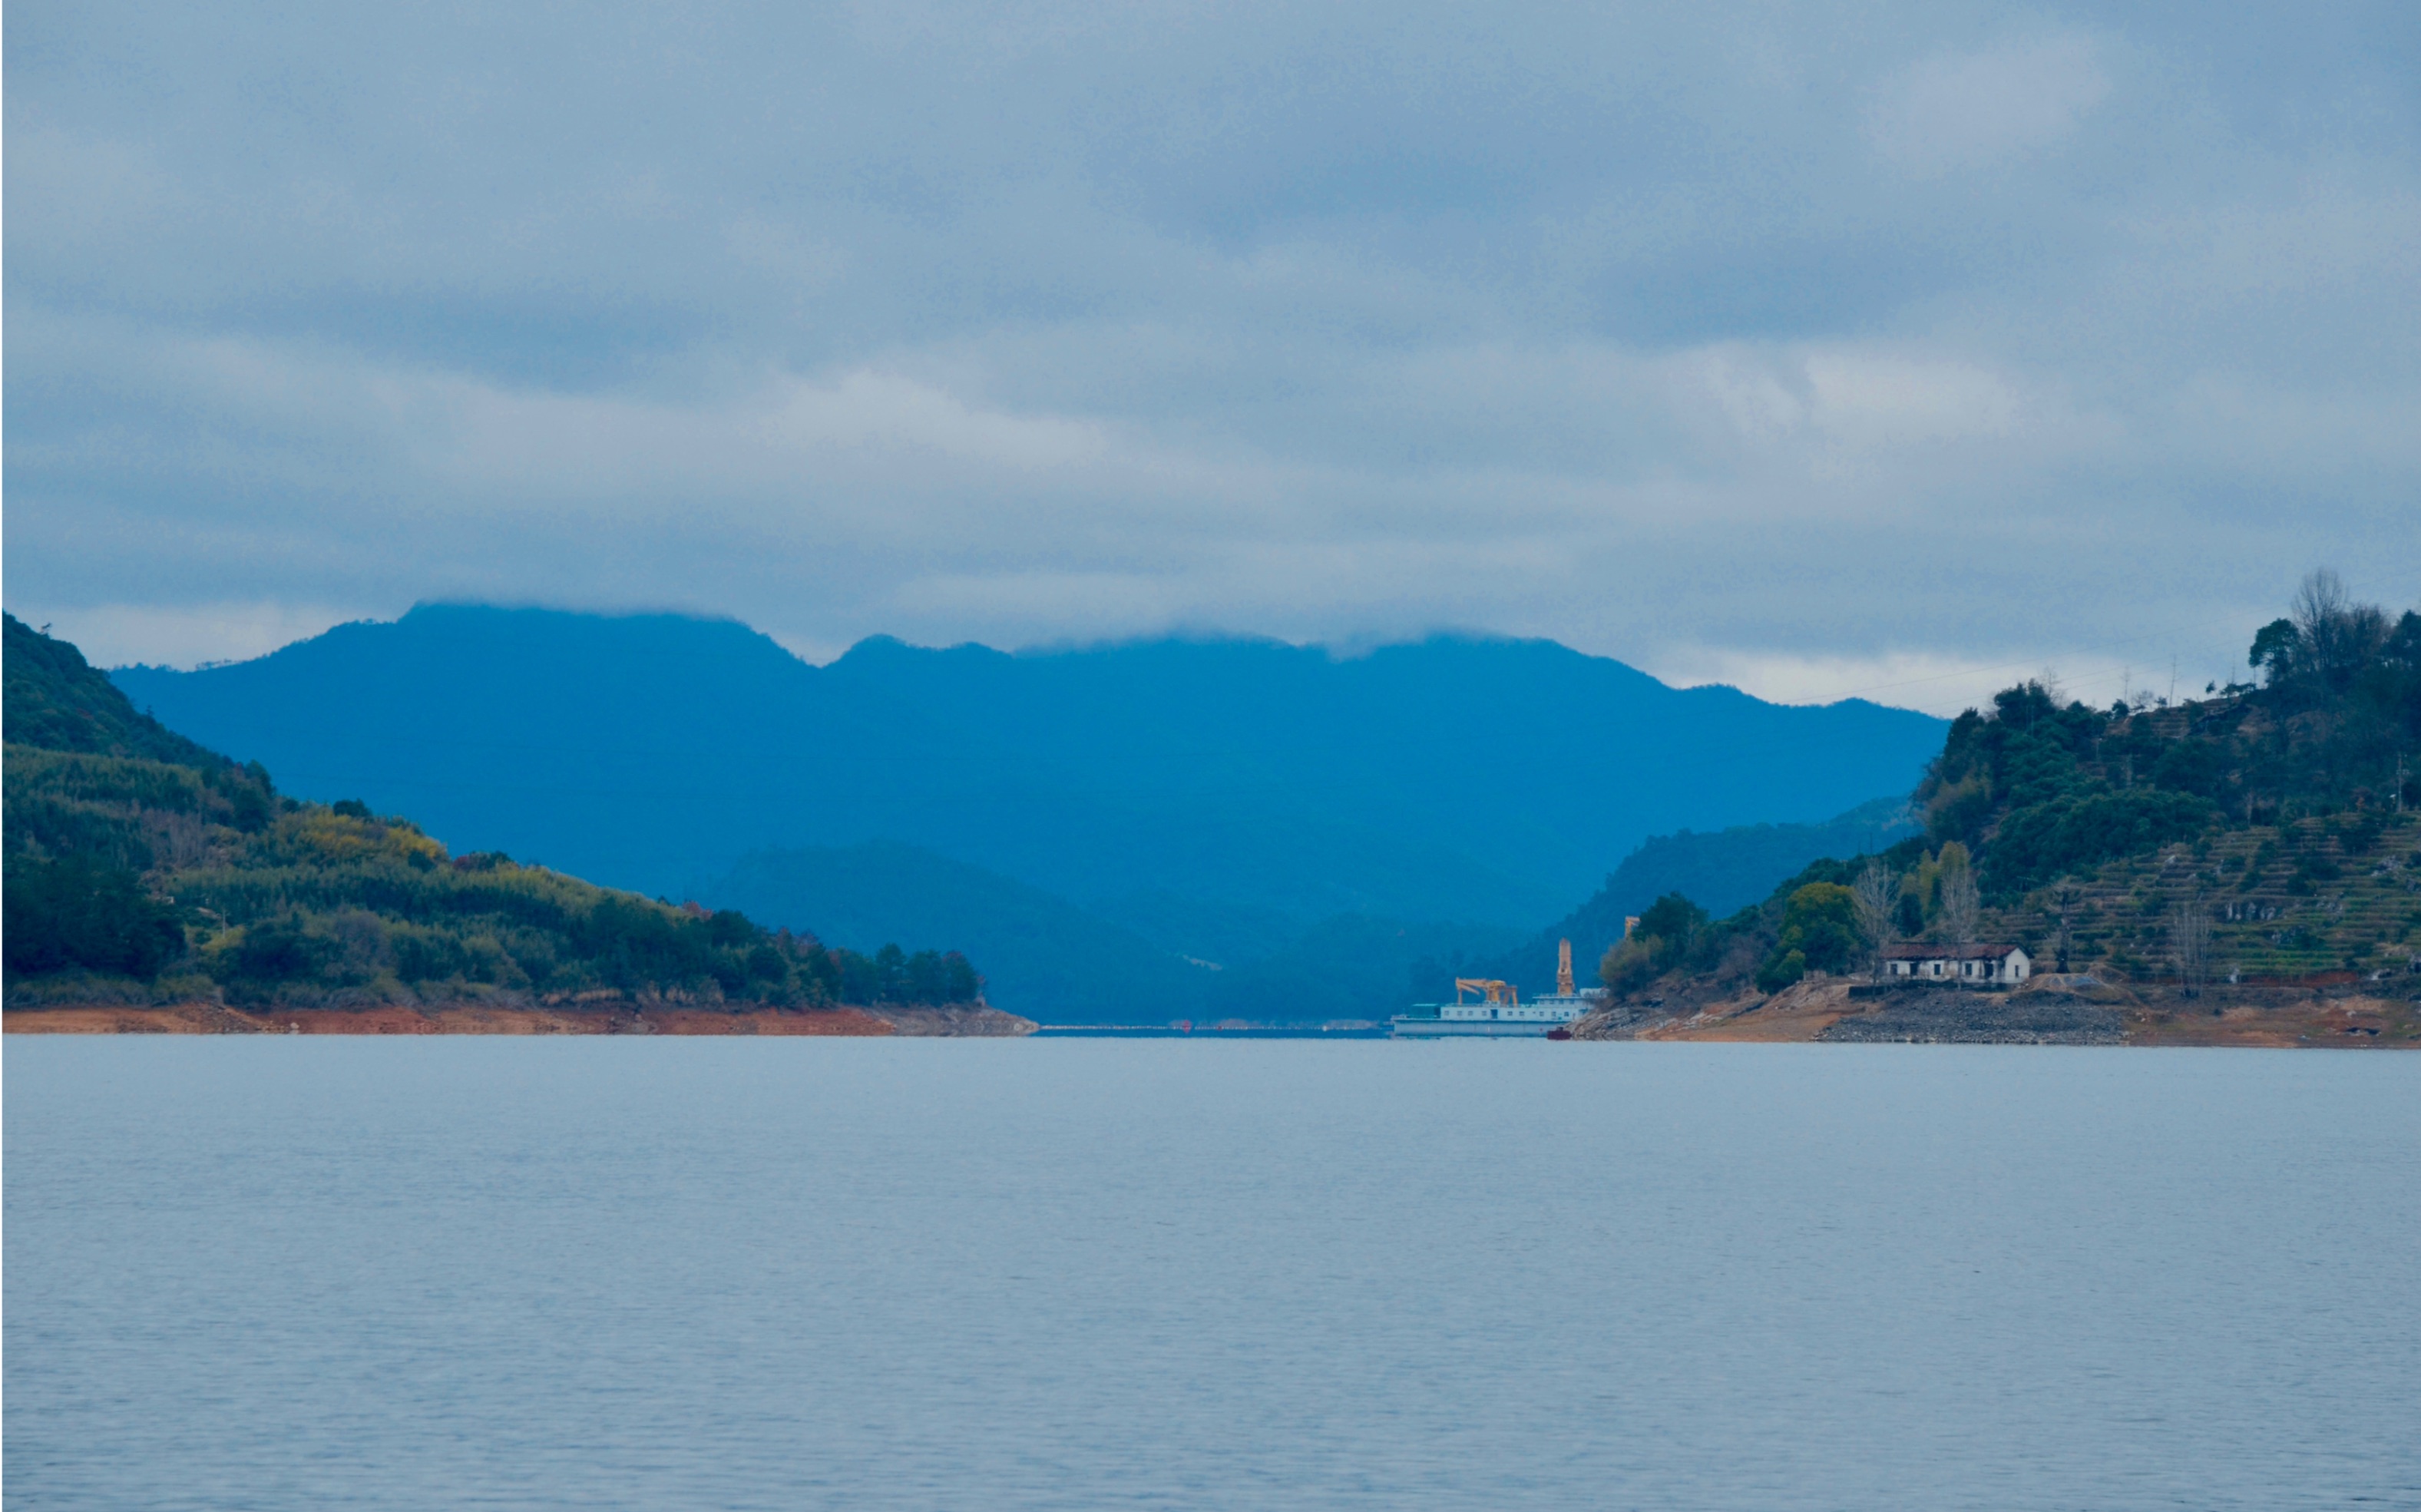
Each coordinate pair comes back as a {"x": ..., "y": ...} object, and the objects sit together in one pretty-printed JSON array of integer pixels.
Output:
[{"x": 1958, "y": 963}]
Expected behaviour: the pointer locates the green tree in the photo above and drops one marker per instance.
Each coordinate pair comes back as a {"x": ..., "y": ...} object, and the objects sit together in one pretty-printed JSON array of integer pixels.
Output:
[
  {"x": 277, "y": 950},
  {"x": 890, "y": 974},
  {"x": 1660, "y": 942},
  {"x": 1674, "y": 919},
  {"x": 1780, "y": 969},
  {"x": 1820, "y": 932},
  {"x": 1821, "y": 921},
  {"x": 77, "y": 911},
  {"x": 2275, "y": 649},
  {"x": 960, "y": 983}
]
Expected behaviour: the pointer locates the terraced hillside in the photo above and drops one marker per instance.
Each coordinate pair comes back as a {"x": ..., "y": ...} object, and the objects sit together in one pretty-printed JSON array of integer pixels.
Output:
[{"x": 2299, "y": 900}]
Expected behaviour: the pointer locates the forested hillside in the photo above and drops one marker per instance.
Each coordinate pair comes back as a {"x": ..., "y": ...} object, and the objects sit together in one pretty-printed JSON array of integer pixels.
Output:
[
  {"x": 2262, "y": 831},
  {"x": 141, "y": 865},
  {"x": 58, "y": 702}
]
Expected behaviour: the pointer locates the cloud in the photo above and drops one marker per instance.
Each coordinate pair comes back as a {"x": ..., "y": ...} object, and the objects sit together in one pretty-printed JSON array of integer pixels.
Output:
[
  {"x": 1966, "y": 110},
  {"x": 121, "y": 635},
  {"x": 1753, "y": 341},
  {"x": 1937, "y": 684}
]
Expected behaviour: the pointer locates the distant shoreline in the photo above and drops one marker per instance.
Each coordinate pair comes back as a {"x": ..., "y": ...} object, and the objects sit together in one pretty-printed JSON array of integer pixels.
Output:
[
  {"x": 1145, "y": 1030},
  {"x": 206, "y": 1018},
  {"x": 1815, "y": 1012}
]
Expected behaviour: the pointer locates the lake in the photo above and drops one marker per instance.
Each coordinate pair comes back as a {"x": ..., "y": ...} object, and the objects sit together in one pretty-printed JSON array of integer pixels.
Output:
[{"x": 310, "y": 1272}]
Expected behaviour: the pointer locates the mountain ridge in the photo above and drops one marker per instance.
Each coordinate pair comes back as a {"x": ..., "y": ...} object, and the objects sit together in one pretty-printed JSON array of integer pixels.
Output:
[
  {"x": 1258, "y": 788},
  {"x": 1353, "y": 753}
]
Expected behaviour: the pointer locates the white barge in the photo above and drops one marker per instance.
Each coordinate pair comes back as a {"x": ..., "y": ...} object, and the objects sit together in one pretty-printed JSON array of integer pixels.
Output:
[{"x": 1498, "y": 1011}]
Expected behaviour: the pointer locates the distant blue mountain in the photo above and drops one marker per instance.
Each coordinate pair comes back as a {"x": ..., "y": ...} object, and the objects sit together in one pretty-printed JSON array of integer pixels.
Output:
[{"x": 1215, "y": 798}]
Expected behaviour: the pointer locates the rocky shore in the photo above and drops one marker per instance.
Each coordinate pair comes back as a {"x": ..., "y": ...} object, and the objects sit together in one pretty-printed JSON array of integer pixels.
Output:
[
  {"x": 1948, "y": 1017},
  {"x": 2080, "y": 1009},
  {"x": 488, "y": 1017}
]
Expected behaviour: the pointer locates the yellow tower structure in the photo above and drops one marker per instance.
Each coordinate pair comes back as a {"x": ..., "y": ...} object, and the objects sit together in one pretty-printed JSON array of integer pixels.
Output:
[{"x": 1564, "y": 968}]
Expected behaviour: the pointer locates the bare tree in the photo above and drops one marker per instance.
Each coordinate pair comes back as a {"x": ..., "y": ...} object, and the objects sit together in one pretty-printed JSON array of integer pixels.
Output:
[
  {"x": 2190, "y": 943},
  {"x": 2319, "y": 609},
  {"x": 2338, "y": 634},
  {"x": 1877, "y": 896},
  {"x": 2064, "y": 924},
  {"x": 1961, "y": 909},
  {"x": 177, "y": 841}
]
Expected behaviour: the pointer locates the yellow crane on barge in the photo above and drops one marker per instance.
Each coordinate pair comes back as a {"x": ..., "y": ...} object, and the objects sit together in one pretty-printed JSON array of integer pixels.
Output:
[{"x": 1490, "y": 1005}]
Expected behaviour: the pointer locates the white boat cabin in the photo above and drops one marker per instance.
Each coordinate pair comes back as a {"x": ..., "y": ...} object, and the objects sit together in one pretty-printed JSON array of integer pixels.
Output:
[{"x": 1554, "y": 1007}]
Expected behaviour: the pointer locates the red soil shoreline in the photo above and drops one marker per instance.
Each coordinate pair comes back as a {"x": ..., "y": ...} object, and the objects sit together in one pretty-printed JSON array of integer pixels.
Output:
[{"x": 204, "y": 1017}]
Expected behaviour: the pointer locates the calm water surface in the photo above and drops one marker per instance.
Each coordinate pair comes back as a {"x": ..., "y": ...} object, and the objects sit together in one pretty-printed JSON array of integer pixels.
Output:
[{"x": 312, "y": 1273}]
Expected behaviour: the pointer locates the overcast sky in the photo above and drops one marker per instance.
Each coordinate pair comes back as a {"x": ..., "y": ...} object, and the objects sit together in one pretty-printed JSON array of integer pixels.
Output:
[{"x": 1814, "y": 347}]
